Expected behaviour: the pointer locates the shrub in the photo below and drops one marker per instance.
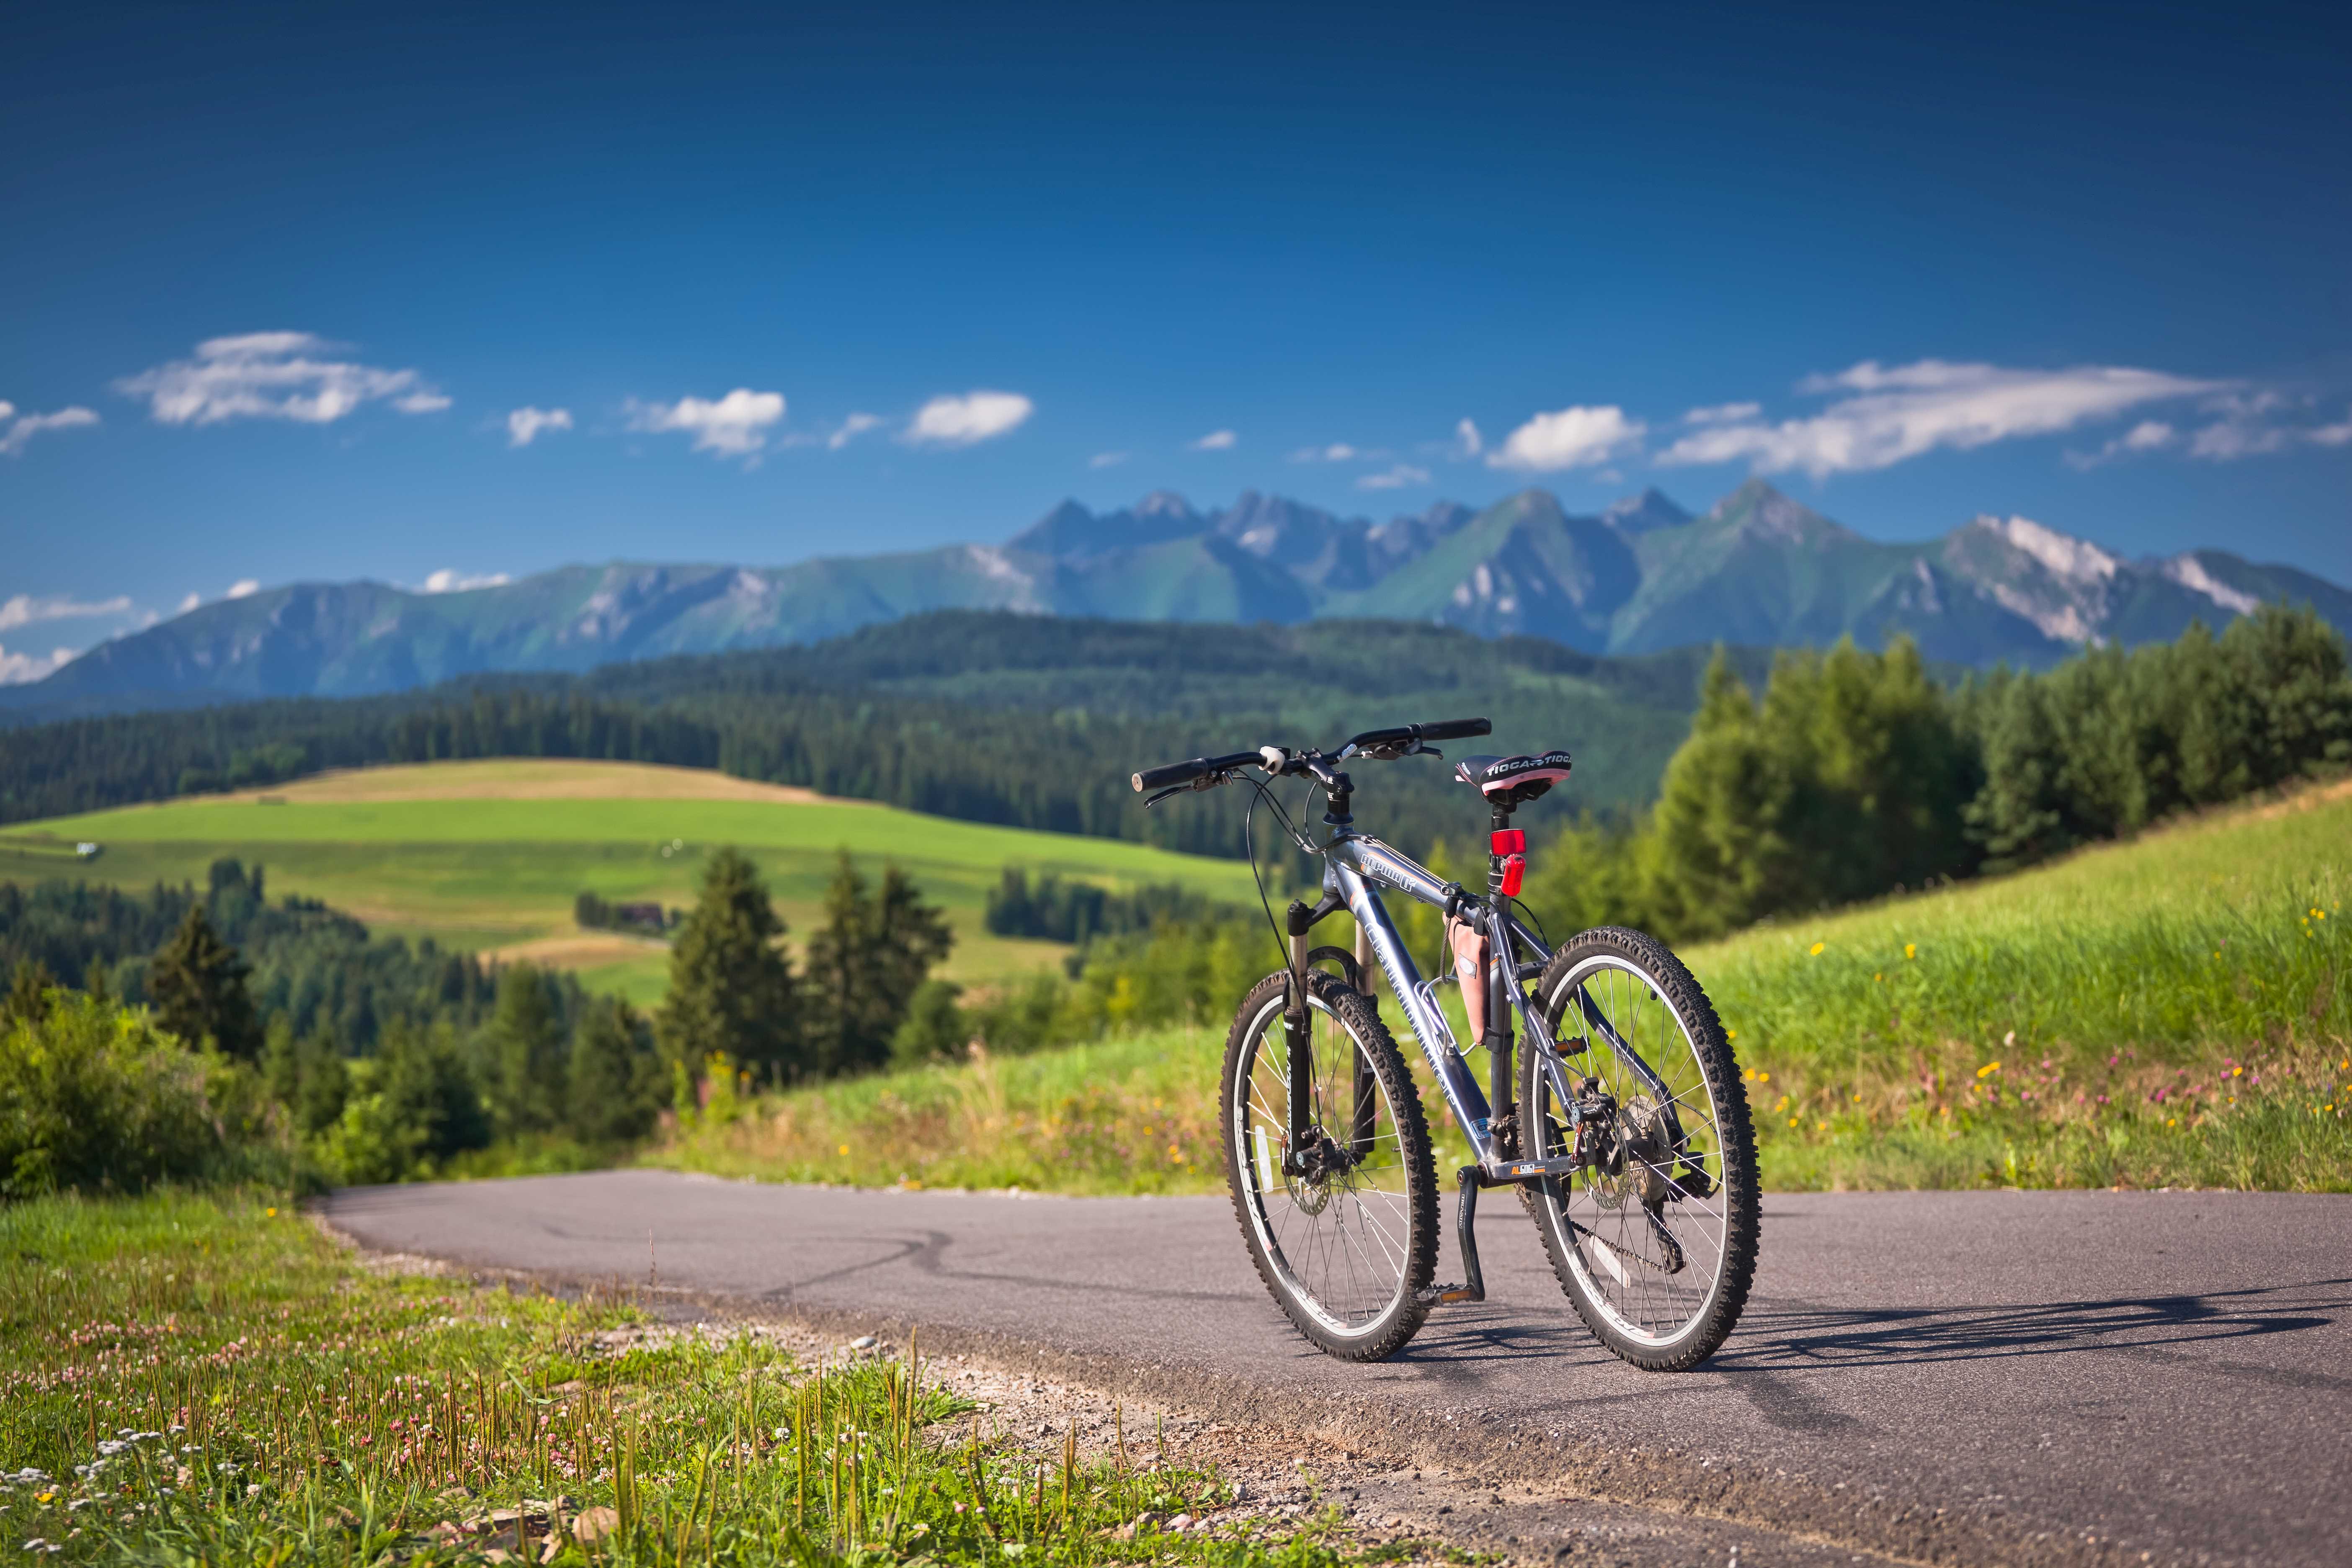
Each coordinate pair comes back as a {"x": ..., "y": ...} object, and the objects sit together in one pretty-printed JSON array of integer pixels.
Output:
[{"x": 95, "y": 1098}]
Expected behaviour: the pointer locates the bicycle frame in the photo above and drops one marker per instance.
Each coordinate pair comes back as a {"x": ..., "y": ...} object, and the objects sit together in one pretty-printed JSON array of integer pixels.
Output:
[{"x": 1356, "y": 866}]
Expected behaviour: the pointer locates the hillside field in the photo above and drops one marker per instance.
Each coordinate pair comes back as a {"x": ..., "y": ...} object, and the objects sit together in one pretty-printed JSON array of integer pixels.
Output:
[
  {"x": 2168, "y": 1011},
  {"x": 487, "y": 856}
]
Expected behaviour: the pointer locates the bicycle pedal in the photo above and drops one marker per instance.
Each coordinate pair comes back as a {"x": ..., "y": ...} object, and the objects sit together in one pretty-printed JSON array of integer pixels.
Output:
[{"x": 1450, "y": 1295}]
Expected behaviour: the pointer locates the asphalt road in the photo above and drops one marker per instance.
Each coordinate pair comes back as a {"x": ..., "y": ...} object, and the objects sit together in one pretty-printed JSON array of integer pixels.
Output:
[{"x": 1949, "y": 1377}]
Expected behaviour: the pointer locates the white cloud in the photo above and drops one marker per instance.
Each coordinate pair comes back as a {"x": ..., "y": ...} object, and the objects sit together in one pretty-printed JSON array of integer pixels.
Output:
[
  {"x": 1467, "y": 442},
  {"x": 735, "y": 426},
  {"x": 2148, "y": 436},
  {"x": 23, "y": 610},
  {"x": 15, "y": 668},
  {"x": 1723, "y": 413},
  {"x": 450, "y": 581},
  {"x": 1573, "y": 437},
  {"x": 13, "y": 439},
  {"x": 523, "y": 424},
  {"x": 1107, "y": 459},
  {"x": 243, "y": 588},
  {"x": 851, "y": 428},
  {"x": 2246, "y": 429},
  {"x": 273, "y": 376},
  {"x": 1902, "y": 411},
  {"x": 1216, "y": 441},
  {"x": 965, "y": 421},
  {"x": 1396, "y": 477},
  {"x": 190, "y": 603},
  {"x": 1337, "y": 452}
]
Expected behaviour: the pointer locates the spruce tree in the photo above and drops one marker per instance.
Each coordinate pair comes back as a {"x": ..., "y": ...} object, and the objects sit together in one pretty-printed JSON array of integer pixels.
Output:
[
  {"x": 616, "y": 1082},
  {"x": 731, "y": 989},
  {"x": 196, "y": 982},
  {"x": 527, "y": 1054},
  {"x": 1716, "y": 847},
  {"x": 864, "y": 966}
]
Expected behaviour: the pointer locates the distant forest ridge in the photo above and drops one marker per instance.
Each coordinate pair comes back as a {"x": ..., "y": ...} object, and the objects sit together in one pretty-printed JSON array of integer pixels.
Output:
[
  {"x": 988, "y": 716},
  {"x": 1642, "y": 576}
]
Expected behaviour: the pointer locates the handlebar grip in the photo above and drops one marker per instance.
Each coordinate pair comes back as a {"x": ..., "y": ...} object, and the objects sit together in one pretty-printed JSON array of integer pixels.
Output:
[
  {"x": 1185, "y": 773},
  {"x": 1455, "y": 730}
]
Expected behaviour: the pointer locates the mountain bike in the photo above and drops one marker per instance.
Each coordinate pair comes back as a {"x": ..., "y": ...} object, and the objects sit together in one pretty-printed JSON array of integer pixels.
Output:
[{"x": 1622, "y": 1122}]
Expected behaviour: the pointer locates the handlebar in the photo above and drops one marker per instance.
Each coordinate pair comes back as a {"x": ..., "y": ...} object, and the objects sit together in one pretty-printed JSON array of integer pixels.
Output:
[
  {"x": 1391, "y": 742},
  {"x": 1185, "y": 773}
]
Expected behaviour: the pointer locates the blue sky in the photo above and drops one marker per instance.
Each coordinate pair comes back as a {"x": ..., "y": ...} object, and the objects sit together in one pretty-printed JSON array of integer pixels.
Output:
[{"x": 283, "y": 289}]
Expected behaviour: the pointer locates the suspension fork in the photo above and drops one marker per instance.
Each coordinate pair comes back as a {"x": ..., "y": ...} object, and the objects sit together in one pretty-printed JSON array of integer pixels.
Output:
[
  {"x": 1297, "y": 1033},
  {"x": 1367, "y": 1101}
]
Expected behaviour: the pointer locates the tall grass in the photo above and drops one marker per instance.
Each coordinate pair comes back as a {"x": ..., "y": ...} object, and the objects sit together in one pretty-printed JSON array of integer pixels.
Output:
[
  {"x": 189, "y": 1381},
  {"x": 2171, "y": 1010}
]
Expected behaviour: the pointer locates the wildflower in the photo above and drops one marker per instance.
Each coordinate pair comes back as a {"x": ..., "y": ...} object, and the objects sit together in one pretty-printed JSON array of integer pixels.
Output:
[
  {"x": 1988, "y": 1069},
  {"x": 1910, "y": 950},
  {"x": 1730, "y": 1034},
  {"x": 1793, "y": 1122},
  {"x": 1817, "y": 948},
  {"x": 1763, "y": 1077},
  {"x": 845, "y": 1149}
]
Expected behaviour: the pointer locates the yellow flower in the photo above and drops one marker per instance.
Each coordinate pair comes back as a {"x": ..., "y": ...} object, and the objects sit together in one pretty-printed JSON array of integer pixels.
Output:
[
  {"x": 1730, "y": 1034},
  {"x": 1878, "y": 977},
  {"x": 845, "y": 1151},
  {"x": 1857, "y": 1099},
  {"x": 1817, "y": 948},
  {"x": 1793, "y": 1122},
  {"x": 1821, "y": 1126},
  {"x": 2235, "y": 1071},
  {"x": 1910, "y": 950},
  {"x": 1988, "y": 1069},
  {"x": 2172, "y": 1121},
  {"x": 1763, "y": 1077},
  {"x": 271, "y": 1212}
]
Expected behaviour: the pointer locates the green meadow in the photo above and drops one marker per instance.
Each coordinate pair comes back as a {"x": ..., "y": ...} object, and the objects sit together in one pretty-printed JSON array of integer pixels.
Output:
[
  {"x": 480, "y": 871},
  {"x": 2170, "y": 1011}
]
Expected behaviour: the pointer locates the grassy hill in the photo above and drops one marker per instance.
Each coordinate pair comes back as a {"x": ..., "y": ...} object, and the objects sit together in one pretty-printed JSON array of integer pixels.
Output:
[
  {"x": 489, "y": 854},
  {"x": 2168, "y": 1011}
]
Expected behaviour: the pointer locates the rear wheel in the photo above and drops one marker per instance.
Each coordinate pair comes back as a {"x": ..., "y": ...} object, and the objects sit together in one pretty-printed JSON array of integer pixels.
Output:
[
  {"x": 1343, "y": 1227},
  {"x": 1655, "y": 1238}
]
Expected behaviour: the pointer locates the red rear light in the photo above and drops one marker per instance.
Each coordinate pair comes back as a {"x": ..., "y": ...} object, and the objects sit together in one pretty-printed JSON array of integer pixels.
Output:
[
  {"x": 1514, "y": 869},
  {"x": 1509, "y": 841}
]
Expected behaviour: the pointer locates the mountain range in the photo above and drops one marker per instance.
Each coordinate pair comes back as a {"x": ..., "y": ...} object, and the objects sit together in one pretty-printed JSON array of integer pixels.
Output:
[{"x": 1757, "y": 568}]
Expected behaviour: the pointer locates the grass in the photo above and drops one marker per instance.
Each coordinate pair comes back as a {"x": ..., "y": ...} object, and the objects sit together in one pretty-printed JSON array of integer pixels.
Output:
[
  {"x": 2167, "y": 1012},
  {"x": 188, "y": 1379},
  {"x": 493, "y": 860}
]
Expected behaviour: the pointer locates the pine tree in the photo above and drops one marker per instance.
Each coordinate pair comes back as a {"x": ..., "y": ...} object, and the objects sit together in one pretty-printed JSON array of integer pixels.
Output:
[
  {"x": 615, "y": 1079},
  {"x": 28, "y": 992},
  {"x": 730, "y": 990},
  {"x": 866, "y": 964},
  {"x": 1715, "y": 848},
  {"x": 527, "y": 1055},
  {"x": 197, "y": 984}
]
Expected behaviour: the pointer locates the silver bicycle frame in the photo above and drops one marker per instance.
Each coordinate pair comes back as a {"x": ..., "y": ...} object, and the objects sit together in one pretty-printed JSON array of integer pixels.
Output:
[{"x": 1356, "y": 866}]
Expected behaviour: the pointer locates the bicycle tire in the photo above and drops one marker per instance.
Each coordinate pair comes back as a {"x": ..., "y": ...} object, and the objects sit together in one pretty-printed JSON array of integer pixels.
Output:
[
  {"x": 1562, "y": 1206},
  {"x": 1382, "y": 1334}
]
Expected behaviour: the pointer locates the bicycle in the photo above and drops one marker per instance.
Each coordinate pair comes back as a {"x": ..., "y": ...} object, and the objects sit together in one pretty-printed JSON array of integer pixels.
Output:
[{"x": 1625, "y": 1126}]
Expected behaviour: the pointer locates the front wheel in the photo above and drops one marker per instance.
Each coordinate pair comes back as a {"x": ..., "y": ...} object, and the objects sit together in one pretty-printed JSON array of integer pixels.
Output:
[
  {"x": 1654, "y": 1236},
  {"x": 1342, "y": 1221}
]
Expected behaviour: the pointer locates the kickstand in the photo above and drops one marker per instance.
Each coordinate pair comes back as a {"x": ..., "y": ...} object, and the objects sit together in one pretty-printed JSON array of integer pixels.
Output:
[{"x": 1465, "y": 1221}]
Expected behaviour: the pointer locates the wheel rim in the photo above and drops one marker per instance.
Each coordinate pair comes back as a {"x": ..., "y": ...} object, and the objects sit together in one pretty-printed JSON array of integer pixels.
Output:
[
  {"x": 1598, "y": 1220},
  {"x": 1340, "y": 1244}
]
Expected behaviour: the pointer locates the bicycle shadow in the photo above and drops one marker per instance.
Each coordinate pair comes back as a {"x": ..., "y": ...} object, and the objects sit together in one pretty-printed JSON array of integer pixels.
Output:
[{"x": 1776, "y": 1336}]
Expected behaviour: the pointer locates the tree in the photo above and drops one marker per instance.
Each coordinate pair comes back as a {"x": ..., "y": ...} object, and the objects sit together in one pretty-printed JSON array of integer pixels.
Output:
[
  {"x": 730, "y": 990},
  {"x": 866, "y": 964},
  {"x": 197, "y": 984},
  {"x": 1715, "y": 849},
  {"x": 28, "y": 992},
  {"x": 527, "y": 1054},
  {"x": 306, "y": 1075},
  {"x": 616, "y": 1079},
  {"x": 935, "y": 1029}
]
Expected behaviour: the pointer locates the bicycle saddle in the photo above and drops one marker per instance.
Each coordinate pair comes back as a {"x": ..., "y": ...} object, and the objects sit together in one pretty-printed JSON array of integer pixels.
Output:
[{"x": 1514, "y": 780}]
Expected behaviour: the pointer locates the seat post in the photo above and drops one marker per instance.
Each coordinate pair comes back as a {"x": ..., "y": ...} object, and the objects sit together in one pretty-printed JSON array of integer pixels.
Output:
[{"x": 1501, "y": 966}]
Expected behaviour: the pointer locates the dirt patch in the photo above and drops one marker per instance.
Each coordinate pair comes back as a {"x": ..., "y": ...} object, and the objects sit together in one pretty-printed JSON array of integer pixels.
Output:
[
  {"x": 523, "y": 779},
  {"x": 580, "y": 950}
]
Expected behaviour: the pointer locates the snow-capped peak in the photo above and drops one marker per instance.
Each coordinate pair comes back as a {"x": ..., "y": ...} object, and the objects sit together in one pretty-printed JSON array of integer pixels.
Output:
[{"x": 2071, "y": 559}]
